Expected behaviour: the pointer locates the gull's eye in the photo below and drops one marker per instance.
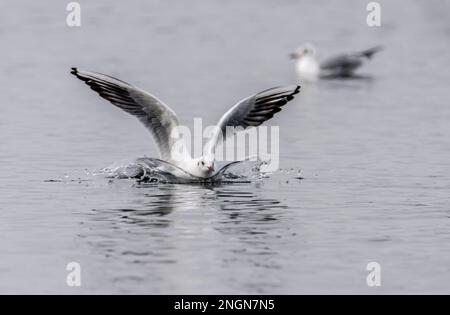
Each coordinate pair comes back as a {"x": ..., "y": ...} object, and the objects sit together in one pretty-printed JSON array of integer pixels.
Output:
[{"x": 203, "y": 163}]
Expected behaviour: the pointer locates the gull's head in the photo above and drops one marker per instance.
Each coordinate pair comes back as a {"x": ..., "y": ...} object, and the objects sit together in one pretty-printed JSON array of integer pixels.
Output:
[
  {"x": 205, "y": 167},
  {"x": 303, "y": 51}
]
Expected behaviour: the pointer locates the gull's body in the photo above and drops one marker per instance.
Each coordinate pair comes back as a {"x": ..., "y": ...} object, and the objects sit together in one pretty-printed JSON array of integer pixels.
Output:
[
  {"x": 309, "y": 68},
  {"x": 163, "y": 124}
]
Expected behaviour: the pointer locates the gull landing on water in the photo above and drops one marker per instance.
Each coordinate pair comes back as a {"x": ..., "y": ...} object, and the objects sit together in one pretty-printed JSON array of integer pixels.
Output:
[
  {"x": 344, "y": 65},
  {"x": 162, "y": 122}
]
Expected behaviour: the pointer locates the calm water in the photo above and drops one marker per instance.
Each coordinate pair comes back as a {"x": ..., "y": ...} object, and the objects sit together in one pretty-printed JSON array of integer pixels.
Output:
[{"x": 374, "y": 152}]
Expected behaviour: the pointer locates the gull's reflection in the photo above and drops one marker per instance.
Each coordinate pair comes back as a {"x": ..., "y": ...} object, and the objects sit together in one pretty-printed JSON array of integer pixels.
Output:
[
  {"x": 153, "y": 203},
  {"x": 171, "y": 225},
  {"x": 250, "y": 220},
  {"x": 244, "y": 205},
  {"x": 357, "y": 77},
  {"x": 160, "y": 205}
]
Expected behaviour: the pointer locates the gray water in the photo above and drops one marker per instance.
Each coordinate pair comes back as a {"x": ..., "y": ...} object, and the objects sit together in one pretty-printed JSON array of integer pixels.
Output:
[{"x": 374, "y": 152}]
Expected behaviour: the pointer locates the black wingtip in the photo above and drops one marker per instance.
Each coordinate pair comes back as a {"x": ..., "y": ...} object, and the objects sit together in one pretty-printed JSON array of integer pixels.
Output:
[{"x": 74, "y": 70}]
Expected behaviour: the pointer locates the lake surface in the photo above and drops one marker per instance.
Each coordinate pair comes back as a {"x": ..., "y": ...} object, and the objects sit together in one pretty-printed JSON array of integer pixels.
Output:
[{"x": 374, "y": 153}]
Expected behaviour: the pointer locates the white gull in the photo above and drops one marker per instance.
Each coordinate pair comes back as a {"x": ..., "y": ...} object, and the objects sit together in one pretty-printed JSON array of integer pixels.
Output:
[
  {"x": 162, "y": 121},
  {"x": 309, "y": 68}
]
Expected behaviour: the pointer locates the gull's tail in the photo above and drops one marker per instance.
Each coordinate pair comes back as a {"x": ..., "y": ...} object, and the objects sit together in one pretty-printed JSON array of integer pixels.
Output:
[{"x": 368, "y": 53}]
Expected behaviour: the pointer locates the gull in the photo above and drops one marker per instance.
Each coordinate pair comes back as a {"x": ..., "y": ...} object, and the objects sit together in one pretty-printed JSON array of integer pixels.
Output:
[
  {"x": 163, "y": 124},
  {"x": 343, "y": 65}
]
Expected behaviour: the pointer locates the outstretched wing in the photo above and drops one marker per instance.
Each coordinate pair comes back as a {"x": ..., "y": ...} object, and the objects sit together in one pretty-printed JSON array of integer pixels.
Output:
[
  {"x": 251, "y": 112},
  {"x": 159, "y": 119}
]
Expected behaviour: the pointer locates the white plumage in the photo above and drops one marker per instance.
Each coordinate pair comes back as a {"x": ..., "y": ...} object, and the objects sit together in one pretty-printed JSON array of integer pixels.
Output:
[{"x": 162, "y": 122}]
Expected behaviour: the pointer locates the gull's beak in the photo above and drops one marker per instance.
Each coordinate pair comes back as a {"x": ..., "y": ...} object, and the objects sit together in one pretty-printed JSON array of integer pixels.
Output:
[
  {"x": 211, "y": 168},
  {"x": 294, "y": 55}
]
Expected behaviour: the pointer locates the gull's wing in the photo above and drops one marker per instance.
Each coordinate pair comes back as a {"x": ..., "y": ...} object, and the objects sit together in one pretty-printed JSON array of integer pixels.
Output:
[
  {"x": 252, "y": 112},
  {"x": 348, "y": 62},
  {"x": 159, "y": 119},
  {"x": 341, "y": 62}
]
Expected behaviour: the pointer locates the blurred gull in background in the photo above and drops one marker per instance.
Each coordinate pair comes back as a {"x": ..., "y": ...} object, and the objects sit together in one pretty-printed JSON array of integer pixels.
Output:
[{"x": 343, "y": 65}]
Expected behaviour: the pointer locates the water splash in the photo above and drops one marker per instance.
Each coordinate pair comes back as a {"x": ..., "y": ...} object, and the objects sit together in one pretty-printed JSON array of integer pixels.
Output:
[{"x": 151, "y": 170}]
